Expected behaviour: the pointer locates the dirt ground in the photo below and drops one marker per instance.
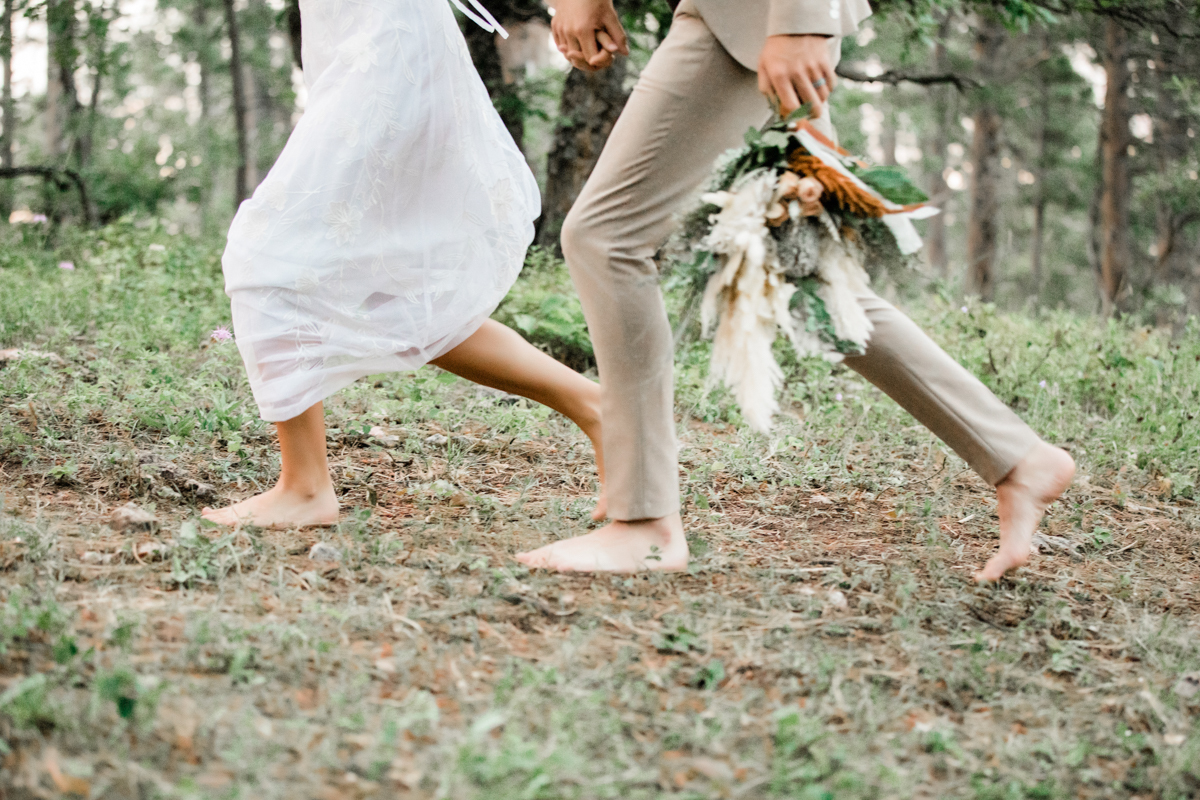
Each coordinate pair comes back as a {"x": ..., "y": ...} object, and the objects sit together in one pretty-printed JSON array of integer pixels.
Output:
[{"x": 827, "y": 642}]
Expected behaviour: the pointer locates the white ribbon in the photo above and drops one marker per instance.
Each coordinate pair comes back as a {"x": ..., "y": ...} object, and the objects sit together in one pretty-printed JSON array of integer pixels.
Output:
[
  {"x": 483, "y": 19},
  {"x": 899, "y": 222}
]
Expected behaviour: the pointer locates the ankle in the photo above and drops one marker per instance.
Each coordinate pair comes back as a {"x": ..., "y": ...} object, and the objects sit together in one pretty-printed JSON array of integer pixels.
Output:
[{"x": 306, "y": 488}]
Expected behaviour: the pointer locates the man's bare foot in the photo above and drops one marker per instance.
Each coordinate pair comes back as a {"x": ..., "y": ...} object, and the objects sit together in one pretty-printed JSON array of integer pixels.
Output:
[
  {"x": 645, "y": 545},
  {"x": 1022, "y": 498},
  {"x": 280, "y": 508}
]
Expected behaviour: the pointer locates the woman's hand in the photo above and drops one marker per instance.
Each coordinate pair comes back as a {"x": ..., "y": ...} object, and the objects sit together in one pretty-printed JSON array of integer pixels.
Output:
[
  {"x": 796, "y": 69},
  {"x": 588, "y": 33}
]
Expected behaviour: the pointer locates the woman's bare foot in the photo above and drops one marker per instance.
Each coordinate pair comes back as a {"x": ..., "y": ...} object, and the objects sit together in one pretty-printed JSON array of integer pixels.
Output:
[
  {"x": 1022, "y": 498},
  {"x": 657, "y": 545},
  {"x": 280, "y": 508}
]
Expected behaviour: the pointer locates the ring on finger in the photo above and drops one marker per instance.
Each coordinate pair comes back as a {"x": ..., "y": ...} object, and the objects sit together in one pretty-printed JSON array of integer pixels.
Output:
[{"x": 818, "y": 83}]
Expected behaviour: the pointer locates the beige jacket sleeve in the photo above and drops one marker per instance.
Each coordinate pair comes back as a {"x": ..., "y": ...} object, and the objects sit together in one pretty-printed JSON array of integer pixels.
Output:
[{"x": 816, "y": 17}]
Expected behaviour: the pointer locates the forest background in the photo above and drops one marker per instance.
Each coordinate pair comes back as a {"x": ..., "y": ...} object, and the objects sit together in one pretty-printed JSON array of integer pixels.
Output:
[{"x": 1058, "y": 135}]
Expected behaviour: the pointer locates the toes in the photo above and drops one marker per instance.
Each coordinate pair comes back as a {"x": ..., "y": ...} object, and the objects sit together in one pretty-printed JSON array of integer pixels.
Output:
[
  {"x": 998, "y": 566},
  {"x": 535, "y": 559}
]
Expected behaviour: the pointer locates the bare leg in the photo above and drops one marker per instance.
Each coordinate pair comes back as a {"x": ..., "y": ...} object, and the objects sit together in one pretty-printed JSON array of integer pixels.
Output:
[
  {"x": 498, "y": 357},
  {"x": 1022, "y": 498},
  {"x": 304, "y": 495},
  {"x": 624, "y": 547}
]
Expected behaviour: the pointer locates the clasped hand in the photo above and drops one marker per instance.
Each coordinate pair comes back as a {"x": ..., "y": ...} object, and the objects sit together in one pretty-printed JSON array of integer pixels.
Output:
[{"x": 792, "y": 70}]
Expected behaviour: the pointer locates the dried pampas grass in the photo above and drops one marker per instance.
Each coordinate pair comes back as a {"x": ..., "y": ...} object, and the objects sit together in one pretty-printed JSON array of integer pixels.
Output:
[{"x": 748, "y": 298}]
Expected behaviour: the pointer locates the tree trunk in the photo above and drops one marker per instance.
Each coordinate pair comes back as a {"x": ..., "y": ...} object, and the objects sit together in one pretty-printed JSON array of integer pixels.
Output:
[
  {"x": 935, "y": 237},
  {"x": 62, "y": 99},
  {"x": 293, "y": 28},
  {"x": 590, "y": 105},
  {"x": 887, "y": 133},
  {"x": 203, "y": 49},
  {"x": 250, "y": 85},
  {"x": 505, "y": 97},
  {"x": 1039, "y": 189},
  {"x": 97, "y": 39},
  {"x": 1114, "y": 151},
  {"x": 204, "y": 63},
  {"x": 9, "y": 109},
  {"x": 237, "y": 73},
  {"x": 982, "y": 234}
]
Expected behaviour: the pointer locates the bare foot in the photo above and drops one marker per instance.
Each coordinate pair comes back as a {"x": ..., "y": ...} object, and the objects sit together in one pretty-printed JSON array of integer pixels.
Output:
[
  {"x": 280, "y": 508},
  {"x": 1022, "y": 498},
  {"x": 645, "y": 545}
]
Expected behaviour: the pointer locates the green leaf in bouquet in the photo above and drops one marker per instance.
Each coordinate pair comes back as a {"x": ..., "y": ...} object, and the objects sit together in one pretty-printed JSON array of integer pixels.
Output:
[
  {"x": 803, "y": 112},
  {"x": 776, "y": 139},
  {"x": 892, "y": 183},
  {"x": 816, "y": 317}
]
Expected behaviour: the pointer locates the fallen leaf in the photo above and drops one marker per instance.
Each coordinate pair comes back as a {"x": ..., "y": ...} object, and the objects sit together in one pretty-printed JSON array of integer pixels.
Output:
[
  {"x": 1041, "y": 540},
  {"x": 384, "y": 438},
  {"x": 1174, "y": 739},
  {"x": 819, "y": 500},
  {"x": 712, "y": 769},
  {"x": 151, "y": 550},
  {"x": 1188, "y": 685},
  {"x": 67, "y": 784},
  {"x": 16, "y": 354},
  {"x": 130, "y": 517},
  {"x": 918, "y": 720},
  {"x": 200, "y": 490},
  {"x": 306, "y": 699}
]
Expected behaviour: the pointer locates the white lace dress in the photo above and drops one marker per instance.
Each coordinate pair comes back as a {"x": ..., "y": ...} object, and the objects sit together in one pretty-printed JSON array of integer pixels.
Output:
[{"x": 396, "y": 218}]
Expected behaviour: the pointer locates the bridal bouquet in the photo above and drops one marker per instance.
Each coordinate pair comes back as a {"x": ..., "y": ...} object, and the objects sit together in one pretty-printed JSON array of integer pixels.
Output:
[{"x": 781, "y": 240}]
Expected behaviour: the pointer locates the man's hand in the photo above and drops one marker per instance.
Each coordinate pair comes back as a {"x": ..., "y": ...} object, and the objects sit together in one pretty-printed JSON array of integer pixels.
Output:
[
  {"x": 794, "y": 70},
  {"x": 588, "y": 33}
]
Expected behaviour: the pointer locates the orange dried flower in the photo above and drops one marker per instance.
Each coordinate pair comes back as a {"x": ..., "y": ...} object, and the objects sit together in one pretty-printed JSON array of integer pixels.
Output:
[{"x": 850, "y": 198}]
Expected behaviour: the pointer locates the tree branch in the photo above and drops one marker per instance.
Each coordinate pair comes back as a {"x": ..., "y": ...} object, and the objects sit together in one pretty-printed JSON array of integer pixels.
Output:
[
  {"x": 55, "y": 175},
  {"x": 895, "y": 77}
]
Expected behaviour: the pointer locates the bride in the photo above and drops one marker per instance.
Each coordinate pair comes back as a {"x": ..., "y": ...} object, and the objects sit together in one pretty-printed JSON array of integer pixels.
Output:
[{"x": 391, "y": 226}]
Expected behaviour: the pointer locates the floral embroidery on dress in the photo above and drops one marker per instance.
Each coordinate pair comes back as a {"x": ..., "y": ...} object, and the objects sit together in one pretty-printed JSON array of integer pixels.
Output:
[
  {"x": 274, "y": 194},
  {"x": 359, "y": 52},
  {"x": 344, "y": 222}
]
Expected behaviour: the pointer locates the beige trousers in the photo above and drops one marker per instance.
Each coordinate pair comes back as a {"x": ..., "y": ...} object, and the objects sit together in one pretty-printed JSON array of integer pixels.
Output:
[{"x": 692, "y": 102}]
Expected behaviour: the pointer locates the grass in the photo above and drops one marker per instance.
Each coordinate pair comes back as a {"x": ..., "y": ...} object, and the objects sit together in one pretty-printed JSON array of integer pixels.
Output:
[{"x": 827, "y": 642}]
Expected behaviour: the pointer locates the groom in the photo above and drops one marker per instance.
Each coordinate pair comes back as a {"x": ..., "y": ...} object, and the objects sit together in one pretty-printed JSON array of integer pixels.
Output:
[{"x": 702, "y": 89}]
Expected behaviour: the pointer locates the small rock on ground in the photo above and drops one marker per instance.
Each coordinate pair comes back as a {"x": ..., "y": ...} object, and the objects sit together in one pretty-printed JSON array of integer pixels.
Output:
[{"x": 323, "y": 551}]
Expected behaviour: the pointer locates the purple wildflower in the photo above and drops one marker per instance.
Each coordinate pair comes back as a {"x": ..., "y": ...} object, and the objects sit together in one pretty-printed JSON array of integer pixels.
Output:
[
  {"x": 1042, "y": 384},
  {"x": 39, "y": 218},
  {"x": 838, "y": 397},
  {"x": 965, "y": 309},
  {"x": 68, "y": 265},
  {"x": 221, "y": 334}
]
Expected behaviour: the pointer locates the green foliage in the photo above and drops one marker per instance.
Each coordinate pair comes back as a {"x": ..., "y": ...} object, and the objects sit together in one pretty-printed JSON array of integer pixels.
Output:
[
  {"x": 891, "y": 182},
  {"x": 546, "y": 315}
]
